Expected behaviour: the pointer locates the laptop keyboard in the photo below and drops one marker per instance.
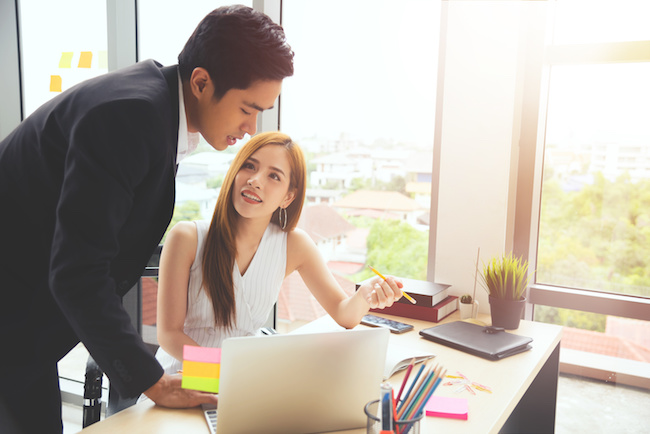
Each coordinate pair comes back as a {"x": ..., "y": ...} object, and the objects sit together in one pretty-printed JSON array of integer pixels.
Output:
[{"x": 210, "y": 413}]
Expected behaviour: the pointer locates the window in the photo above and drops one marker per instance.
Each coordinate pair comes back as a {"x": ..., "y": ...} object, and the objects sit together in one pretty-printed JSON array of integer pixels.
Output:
[
  {"x": 362, "y": 106},
  {"x": 592, "y": 250},
  {"x": 54, "y": 55}
]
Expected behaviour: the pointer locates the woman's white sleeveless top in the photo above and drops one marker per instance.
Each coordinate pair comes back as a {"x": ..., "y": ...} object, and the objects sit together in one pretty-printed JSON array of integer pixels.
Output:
[{"x": 255, "y": 294}]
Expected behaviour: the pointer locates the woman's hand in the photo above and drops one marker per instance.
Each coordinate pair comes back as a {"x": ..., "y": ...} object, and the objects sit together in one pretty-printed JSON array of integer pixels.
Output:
[{"x": 380, "y": 293}]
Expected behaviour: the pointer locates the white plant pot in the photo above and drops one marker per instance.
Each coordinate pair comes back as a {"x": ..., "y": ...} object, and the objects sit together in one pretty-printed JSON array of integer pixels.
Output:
[{"x": 468, "y": 310}]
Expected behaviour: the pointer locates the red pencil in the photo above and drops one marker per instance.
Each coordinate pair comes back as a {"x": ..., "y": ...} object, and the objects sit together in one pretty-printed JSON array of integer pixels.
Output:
[
  {"x": 406, "y": 377},
  {"x": 394, "y": 412}
]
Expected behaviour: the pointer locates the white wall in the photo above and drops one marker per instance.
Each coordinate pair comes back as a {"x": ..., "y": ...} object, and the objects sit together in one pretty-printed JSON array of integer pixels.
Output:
[{"x": 476, "y": 139}]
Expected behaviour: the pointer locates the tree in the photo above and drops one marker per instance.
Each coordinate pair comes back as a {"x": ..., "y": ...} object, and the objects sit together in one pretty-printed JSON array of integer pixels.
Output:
[
  {"x": 188, "y": 211},
  {"x": 398, "y": 249}
]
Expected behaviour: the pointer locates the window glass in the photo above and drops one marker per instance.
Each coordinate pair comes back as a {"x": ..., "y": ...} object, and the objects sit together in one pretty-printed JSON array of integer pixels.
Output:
[
  {"x": 595, "y": 21},
  {"x": 165, "y": 25},
  {"x": 63, "y": 43},
  {"x": 595, "y": 204},
  {"x": 361, "y": 104},
  {"x": 595, "y": 215}
]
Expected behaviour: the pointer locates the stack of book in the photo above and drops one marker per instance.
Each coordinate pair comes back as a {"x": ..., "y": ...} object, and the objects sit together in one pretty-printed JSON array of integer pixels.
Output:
[{"x": 433, "y": 302}]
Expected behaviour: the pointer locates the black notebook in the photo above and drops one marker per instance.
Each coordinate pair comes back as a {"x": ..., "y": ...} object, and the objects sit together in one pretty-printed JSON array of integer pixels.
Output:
[{"x": 478, "y": 340}]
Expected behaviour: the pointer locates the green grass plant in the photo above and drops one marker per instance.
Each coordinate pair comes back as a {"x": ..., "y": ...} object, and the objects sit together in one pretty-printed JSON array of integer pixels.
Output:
[{"x": 506, "y": 277}]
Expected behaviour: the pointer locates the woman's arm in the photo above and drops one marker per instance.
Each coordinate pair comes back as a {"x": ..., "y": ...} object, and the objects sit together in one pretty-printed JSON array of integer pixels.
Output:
[
  {"x": 303, "y": 255},
  {"x": 173, "y": 278}
]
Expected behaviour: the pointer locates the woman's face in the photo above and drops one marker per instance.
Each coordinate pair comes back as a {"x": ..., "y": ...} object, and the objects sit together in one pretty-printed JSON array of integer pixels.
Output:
[{"x": 262, "y": 183}]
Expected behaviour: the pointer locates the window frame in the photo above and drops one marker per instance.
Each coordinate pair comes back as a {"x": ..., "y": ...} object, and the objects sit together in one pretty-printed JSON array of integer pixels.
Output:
[
  {"x": 11, "y": 109},
  {"x": 529, "y": 178}
]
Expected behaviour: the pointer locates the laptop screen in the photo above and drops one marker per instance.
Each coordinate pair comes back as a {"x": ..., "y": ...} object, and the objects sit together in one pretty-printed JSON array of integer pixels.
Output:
[{"x": 300, "y": 383}]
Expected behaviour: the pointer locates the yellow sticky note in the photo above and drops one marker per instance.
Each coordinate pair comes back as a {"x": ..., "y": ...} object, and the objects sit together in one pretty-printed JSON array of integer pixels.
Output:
[
  {"x": 66, "y": 59},
  {"x": 85, "y": 59},
  {"x": 55, "y": 83}
]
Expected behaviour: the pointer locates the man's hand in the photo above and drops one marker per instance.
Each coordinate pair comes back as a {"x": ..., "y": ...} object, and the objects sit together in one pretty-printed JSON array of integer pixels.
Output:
[{"x": 167, "y": 392}]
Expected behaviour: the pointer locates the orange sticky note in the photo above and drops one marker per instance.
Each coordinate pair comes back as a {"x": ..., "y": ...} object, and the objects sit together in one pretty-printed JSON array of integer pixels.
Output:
[
  {"x": 66, "y": 60},
  {"x": 201, "y": 369},
  {"x": 85, "y": 59},
  {"x": 55, "y": 83}
]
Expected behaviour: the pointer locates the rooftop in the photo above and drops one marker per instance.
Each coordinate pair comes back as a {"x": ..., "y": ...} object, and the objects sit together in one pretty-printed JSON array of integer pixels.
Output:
[{"x": 378, "y": 200}]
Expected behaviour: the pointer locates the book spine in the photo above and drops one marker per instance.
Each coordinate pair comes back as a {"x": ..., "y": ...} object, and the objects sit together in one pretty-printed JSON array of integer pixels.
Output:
[
  {"x": 435, "y": 313},
  {"x": 446, "y": 307}
]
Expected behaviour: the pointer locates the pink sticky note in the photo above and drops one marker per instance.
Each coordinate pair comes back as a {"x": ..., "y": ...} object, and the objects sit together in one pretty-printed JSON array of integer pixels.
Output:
[
  {"x": 442, "y": 406},
  {"x": 201, "y": 354}
]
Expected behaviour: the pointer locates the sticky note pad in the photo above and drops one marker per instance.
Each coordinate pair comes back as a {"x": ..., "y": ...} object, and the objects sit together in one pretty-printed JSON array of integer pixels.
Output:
[
  {"x": 442, "y": 406},
  {"x": 66, "y": 59},
  {"x": 55, "y": 83},
  {"x": 85, "y": 59},
  {"x": 201, "y": 368}
]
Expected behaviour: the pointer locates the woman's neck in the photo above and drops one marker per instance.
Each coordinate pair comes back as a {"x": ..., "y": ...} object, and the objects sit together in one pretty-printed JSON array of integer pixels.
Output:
[
  {"x": 250, "y": 229},
  {"x": 247, "y": 239}
]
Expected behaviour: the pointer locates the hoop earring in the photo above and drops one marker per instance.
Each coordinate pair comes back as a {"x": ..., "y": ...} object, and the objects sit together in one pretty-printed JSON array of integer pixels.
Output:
[{"x": 283, "y": 224}]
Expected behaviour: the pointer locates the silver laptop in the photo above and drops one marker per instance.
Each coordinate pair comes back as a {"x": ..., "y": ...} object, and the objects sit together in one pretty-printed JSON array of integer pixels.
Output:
[{"x": 299, "y": 383}]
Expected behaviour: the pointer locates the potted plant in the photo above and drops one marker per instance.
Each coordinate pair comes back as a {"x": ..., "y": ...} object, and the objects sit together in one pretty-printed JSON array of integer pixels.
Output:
[
  {"x": 468, "y": 307},
  {"x": 506, "y": 279}
]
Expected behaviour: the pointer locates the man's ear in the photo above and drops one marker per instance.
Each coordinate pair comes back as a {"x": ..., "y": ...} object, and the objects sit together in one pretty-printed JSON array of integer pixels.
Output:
[{"x": 200, "y": 82}]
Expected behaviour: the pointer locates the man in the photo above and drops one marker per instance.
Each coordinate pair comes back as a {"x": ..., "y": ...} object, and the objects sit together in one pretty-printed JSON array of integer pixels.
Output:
[{"x": 87, "y": 191}]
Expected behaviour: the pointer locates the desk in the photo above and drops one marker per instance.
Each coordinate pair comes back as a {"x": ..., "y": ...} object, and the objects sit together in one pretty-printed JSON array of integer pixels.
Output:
[{"x": 523, "y": 400}]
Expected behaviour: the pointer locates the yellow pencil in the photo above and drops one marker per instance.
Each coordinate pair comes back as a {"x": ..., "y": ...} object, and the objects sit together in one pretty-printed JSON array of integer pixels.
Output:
[{"x": 408, "y": 297}]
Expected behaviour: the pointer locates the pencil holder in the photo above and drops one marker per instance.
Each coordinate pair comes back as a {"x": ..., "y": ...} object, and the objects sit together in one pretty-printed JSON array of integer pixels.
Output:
[{"x": 373, "y": 424}]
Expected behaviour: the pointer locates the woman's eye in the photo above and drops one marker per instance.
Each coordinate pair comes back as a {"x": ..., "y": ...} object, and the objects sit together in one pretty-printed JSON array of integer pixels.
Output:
[
  {"x": 245, "y": 112},
  {"x": 275, "y": 176},
  {"x": 248, "y": 166}
]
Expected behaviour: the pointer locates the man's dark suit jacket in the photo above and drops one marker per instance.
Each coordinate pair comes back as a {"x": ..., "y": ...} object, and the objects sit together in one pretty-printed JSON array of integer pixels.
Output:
[{"x": 86, "y": 191}]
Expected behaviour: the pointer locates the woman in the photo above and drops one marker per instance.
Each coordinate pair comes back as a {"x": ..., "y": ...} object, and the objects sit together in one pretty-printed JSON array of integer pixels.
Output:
[{"x": 221, "y": 279}]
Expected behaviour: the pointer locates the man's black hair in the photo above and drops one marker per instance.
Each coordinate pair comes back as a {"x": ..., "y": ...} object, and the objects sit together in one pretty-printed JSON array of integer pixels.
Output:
[{"x": 237, "y": 46}]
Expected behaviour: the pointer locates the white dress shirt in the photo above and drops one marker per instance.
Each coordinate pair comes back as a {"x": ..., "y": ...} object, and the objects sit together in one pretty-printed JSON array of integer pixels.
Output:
[{"x": 187, "y": 142}]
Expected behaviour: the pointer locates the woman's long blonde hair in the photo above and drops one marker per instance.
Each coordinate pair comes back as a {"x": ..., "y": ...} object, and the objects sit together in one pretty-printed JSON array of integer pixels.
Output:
[{"x": 220, "y": 251}]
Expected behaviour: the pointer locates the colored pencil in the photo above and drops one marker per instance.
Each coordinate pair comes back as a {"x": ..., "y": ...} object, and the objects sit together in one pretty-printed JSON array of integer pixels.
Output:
[
  {"x": 423, "y": 395},
  {"x": 407, "y": 411},
  {"x": 406, "y": 376},
  {"x": 401, "y": 404},
  {"x": 414, "y": 394}
]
